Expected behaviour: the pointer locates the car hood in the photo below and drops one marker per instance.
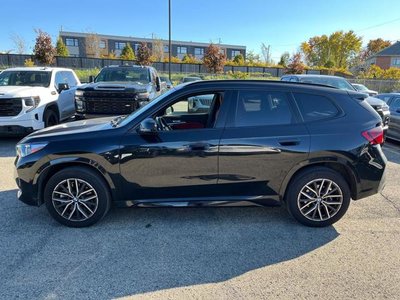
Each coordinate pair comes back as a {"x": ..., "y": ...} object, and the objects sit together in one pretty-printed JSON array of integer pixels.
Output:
[
  {"x": 11, "y": 91},
  {"x": 83, "y": 126},
  {"x": 374, "y": 101},
  {"x": 117, "y": 85}
]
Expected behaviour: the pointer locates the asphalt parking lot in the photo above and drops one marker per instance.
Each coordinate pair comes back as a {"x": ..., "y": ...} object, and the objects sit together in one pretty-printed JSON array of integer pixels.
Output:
[{"x": 208, "y": 253}]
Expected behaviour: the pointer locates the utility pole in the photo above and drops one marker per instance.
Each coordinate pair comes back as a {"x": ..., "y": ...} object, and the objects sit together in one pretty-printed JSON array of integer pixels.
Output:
[{"x": 169, "y": 40}]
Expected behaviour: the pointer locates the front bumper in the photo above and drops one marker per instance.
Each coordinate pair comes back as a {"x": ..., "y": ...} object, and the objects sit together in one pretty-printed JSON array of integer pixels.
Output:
[{"x": 24, "y": 122}]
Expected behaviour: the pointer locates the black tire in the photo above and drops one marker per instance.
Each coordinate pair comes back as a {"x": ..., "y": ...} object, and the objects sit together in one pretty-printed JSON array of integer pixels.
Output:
[
  {"x": 50, "y": 117},
  {"x": 83, "y": 176},
  {"x": 325, "y": 209}
]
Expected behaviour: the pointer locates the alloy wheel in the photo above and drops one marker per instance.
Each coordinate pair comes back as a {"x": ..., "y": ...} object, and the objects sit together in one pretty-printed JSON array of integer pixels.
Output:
[
  {"x": 75, "y": 199},
  {"x": 320, "y": 199}
]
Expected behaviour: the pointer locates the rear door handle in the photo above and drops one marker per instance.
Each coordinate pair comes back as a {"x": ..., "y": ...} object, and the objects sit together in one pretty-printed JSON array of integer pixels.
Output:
[{"x": 289, "y": 142}]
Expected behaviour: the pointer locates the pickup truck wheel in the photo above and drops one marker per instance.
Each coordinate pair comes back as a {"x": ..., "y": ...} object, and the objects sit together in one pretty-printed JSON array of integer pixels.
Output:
[{"x": 50, "y": 118}]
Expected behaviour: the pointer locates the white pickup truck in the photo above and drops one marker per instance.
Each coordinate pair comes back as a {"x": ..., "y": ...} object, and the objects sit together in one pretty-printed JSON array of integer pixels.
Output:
[{"x": 34, "y": 98}]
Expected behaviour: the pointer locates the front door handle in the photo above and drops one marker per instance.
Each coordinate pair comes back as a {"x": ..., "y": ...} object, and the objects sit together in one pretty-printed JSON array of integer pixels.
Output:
[
  {"x": 199, "y": 146},
  {"x": 289, "y": 142}
]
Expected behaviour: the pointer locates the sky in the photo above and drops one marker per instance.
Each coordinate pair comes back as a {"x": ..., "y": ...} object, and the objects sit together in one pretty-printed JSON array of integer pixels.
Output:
[{"x": 281, "y": 24}]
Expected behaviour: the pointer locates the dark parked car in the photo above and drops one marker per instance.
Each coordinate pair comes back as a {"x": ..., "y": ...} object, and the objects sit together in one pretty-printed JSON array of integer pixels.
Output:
[
  {"x": 117, "y": 90},
  {"x": 260, "y": 143},
  {"x": 364, "y": 89},
  {"x": 393, "y": 100},
  {"x": 190, "y": 79},
  {"x": 341, "y": 83}
]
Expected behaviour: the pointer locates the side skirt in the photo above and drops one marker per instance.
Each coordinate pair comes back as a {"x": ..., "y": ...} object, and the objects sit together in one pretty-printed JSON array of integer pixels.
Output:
[{"x": 203, "y": 202}]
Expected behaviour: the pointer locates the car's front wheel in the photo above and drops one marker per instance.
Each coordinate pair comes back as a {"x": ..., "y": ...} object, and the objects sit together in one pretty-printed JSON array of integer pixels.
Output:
[
  {"x": 318, "y": 197},
  {"x": 77, "y": 197}
]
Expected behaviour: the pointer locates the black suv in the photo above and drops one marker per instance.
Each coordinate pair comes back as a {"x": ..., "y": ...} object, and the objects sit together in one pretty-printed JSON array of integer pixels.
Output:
[
  {"x": 260, "y": 143},
  {"x": 117, "y": 90},
  {"x": 341, "y": 83}
]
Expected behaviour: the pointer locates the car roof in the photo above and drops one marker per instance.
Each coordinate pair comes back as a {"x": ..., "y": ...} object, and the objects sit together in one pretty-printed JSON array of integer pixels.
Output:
[
  {"x": 49, "y": 69},
  {"x": 389, "y": 94},
  {"x": 313, "y": 76},
  {"x": 128, "y": 66},
  {"x": 228, "y": 83}
]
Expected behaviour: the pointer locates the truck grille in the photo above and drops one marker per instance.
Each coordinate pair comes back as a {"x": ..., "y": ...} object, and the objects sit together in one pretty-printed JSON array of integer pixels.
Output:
[
  {"x": 109, "y": 102},
  {"x": 117, "y": 107},
  {"x": 10, "y": 106}
]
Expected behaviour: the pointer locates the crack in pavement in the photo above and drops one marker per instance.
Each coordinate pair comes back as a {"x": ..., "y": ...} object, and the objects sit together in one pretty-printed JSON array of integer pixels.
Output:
[{"x": 390, "y": 201}]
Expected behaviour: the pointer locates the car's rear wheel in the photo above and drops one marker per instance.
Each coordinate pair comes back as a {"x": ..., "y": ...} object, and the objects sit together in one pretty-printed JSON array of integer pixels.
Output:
[
  {"x": 77, "y": 197},
  {"x": 318, "y": 197}
]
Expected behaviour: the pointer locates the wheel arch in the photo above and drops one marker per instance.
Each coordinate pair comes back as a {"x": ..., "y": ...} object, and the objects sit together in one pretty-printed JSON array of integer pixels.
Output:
[
  {"x": 340, "y": 166},
  {"x": 55, "y": 166},
  {"x": 53, "y": 106}
]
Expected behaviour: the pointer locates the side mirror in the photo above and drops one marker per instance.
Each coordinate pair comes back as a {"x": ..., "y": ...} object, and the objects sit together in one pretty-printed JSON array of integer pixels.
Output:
[
  {"x": 63, "y": 87},
  {"x": 158, "y": 84},
  {"x": 91, "y": 78},
  {"x": 148, "y": 127}
]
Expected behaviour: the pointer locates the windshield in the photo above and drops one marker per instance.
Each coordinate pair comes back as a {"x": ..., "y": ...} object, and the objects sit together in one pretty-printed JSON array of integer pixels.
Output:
[
  {"x": 360, "y": 87},
  {"x": 148, "y": 106},
  {"x": 136, "y": 74},
  {"x": 339, "y": 83},
  {"x": 25, "y": 78}
]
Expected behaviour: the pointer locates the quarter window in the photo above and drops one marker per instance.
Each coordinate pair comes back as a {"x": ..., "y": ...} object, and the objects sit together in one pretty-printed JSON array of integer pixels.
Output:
[
  {"x": 315, "y": 107},
  {"x": 262, "y": 108}
]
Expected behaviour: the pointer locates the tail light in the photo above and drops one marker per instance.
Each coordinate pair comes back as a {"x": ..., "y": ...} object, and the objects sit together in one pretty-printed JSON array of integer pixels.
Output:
[{"x": 374, "y": 135}]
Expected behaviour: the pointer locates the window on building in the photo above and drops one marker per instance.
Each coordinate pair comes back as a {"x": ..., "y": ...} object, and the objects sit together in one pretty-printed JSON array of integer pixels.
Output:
[
  {"x": 166, "y": 48},
  {"x": 262, "y": 108},
  {"x": 102, "y": 44},
  {"x": 235, "y": 53},
  {"x": 119, "y": 45},
  {"x": 71, "y": 42},
  {"x": 315, "y": 107},
  {"x": 182, "y": 50},
  {"x": 136, "y": 47},
  {"x": 396, "y": 61},
  {"x": 198, "y": 51}
]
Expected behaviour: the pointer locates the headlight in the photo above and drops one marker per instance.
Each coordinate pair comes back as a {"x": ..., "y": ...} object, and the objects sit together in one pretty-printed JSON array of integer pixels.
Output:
[
  {"x": 31, "y": 102},
  {"x": 78, "y": 93},
  {"x": 144, "y": 95},
  {"x": 26, "y": 149}
]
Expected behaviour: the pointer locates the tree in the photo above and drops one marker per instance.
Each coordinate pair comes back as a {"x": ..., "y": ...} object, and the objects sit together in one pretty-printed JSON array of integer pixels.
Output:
[
  {"x": 128, "y": 53},
  {"x": 374, "y": 46},
  {"x": 214, "y": 59},
  {"x": 61, "y": 49},
  {"x": 92, "y": 45},
  {"x": 239, "y": 60},
  {"x": 284, "y": 59},
  {"x": 158, "y": 50},
  {"x": 189, "y": 59},
  {"x": 19, "y": 43},
  {"x": 266, "y": 52},
  {"x": 339, "y": 48},
  {"x": 143, "y": 55},
  {"x": 295, "y": 65},
  {"x": 44, "y": 51},
  {"x": 252, "y": 58}
]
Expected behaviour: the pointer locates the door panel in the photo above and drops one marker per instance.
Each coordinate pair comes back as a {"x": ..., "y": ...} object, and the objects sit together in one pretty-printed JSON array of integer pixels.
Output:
[
  {"x": 255, "y": 160},
  {"x": 173, "y": 164}
]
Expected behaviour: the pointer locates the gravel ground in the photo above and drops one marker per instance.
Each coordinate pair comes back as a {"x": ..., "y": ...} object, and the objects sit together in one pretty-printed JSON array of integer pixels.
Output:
[{"x": 207, "y": 253}]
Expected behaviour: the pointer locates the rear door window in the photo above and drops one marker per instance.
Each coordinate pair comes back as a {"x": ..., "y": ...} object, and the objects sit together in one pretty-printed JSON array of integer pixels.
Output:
[
  {"x": 262, "y": 108},
  {"x": 315, "y": 107}
]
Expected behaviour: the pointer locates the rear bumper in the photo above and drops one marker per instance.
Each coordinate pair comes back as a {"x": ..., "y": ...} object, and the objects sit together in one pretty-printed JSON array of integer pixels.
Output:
[{"x": 371, "y": 171}]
